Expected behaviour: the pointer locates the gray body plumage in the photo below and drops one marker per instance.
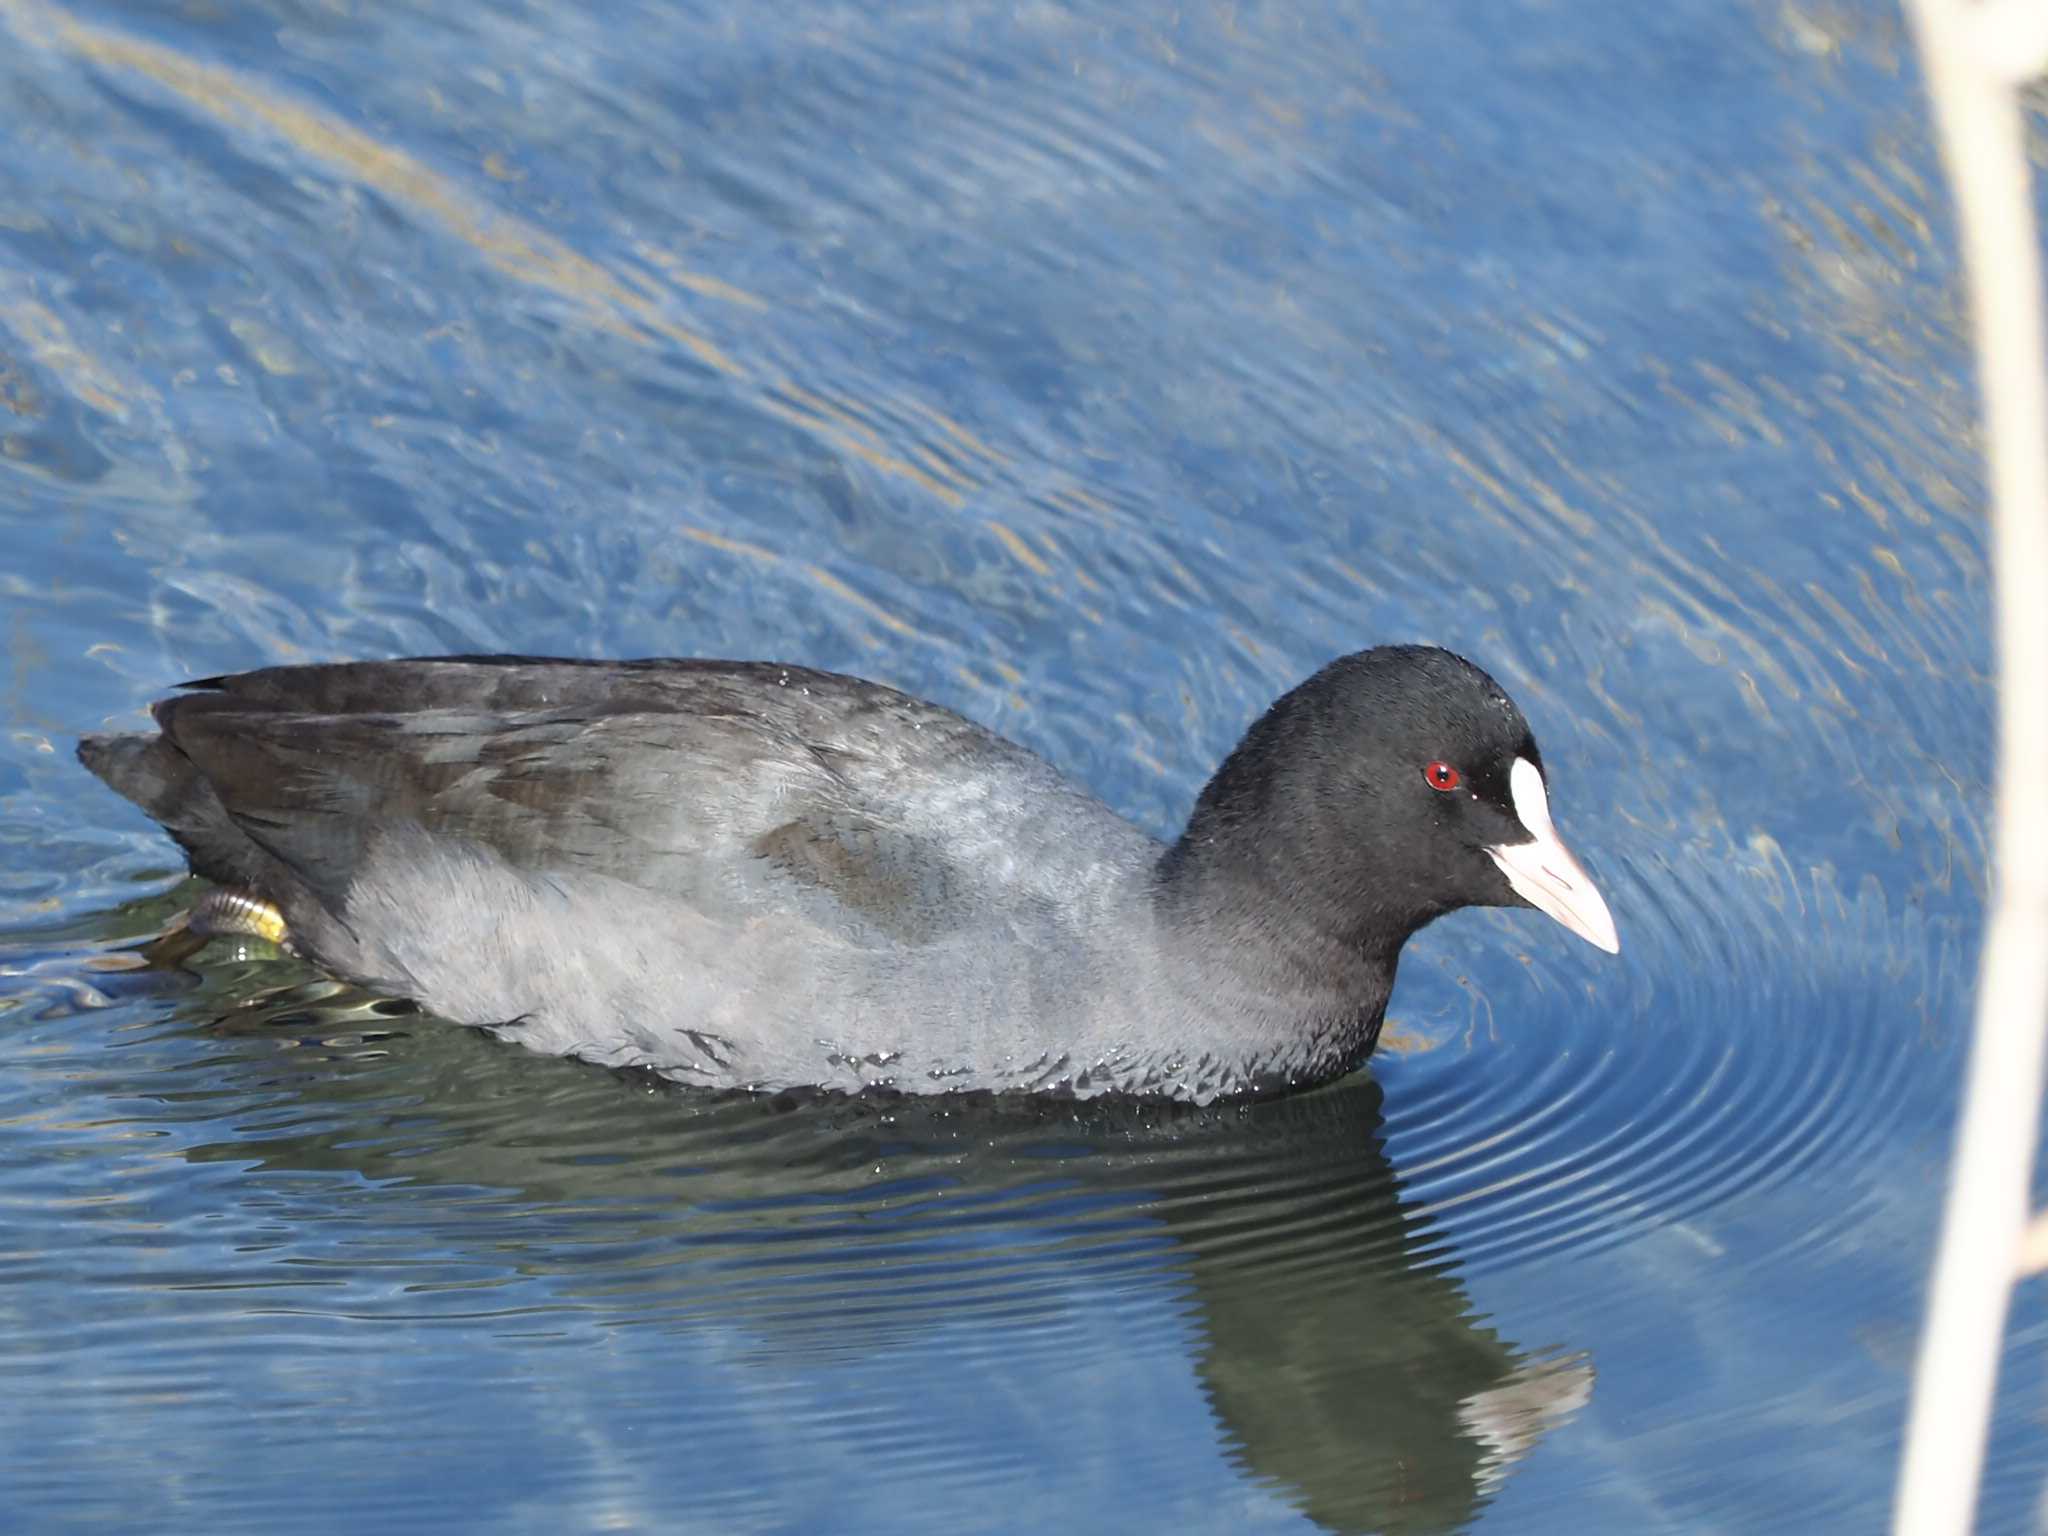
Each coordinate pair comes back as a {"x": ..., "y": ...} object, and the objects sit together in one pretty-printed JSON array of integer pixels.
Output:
[{"x": 741, "y": 875}]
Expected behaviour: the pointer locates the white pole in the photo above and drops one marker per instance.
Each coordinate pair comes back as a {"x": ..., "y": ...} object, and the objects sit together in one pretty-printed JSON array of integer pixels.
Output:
[{"x": 1975, "y": 56}]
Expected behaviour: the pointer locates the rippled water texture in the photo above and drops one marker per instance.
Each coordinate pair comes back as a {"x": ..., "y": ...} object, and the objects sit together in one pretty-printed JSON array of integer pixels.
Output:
[{"x": 1099, "y": 371}]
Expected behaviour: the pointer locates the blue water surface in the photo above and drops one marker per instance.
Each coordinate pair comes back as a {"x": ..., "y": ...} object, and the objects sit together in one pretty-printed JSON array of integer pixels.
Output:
[{"x": 1098, "y": 370}]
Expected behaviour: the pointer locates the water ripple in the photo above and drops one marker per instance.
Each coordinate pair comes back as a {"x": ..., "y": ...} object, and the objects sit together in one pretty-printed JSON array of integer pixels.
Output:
[
  {"x": 1733, "y": 1075},
  {"x": 533, "y": 1197}
]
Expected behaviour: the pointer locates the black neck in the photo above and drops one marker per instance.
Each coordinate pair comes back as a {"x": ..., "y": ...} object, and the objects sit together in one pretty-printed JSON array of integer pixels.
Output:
[{"x": 1258, "y": 862}]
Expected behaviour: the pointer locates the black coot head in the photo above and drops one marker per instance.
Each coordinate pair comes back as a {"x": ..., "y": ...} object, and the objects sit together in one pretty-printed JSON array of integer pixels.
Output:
[{"x": 1395, "y": 785}]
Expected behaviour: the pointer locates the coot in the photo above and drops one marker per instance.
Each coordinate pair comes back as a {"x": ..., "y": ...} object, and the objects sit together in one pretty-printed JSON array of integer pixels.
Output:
[{"x": 748, "y": 875}]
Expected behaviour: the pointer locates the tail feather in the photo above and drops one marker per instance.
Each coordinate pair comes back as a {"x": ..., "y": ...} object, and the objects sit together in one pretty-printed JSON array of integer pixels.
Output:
[{"x": 153, "y": 773}]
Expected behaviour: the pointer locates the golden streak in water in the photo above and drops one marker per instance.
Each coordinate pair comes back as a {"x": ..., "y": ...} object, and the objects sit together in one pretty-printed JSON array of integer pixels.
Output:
[
  {"x": 820, "y": 576},
  {"x": 1079, "y": 499},
  {"x": 833, "y": 420},
  {"x": 867, "y": 605},
  {"x": 1026, "y": 556},
  {"x": 50, "y": 345},
  {"x": 960, "y": 434},
  {"x": 730, "y": 546},
  {"x": 514, "y": 247}
]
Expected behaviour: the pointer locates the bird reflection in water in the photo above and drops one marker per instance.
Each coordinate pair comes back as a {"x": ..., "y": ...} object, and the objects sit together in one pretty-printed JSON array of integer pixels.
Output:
[{"x": 1339, "y": 1351}]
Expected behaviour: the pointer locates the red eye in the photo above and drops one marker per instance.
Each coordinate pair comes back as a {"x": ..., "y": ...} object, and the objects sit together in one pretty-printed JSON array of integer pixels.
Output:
[{"x": 1442, "y": 776}]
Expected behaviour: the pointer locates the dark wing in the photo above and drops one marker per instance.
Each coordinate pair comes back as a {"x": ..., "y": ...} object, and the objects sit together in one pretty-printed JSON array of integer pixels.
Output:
[{"x": 739, "y": 787}]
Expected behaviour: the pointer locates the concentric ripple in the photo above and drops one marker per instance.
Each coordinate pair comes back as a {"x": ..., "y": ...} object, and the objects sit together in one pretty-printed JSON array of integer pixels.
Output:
[{"x": 1584, "y": 1123}]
